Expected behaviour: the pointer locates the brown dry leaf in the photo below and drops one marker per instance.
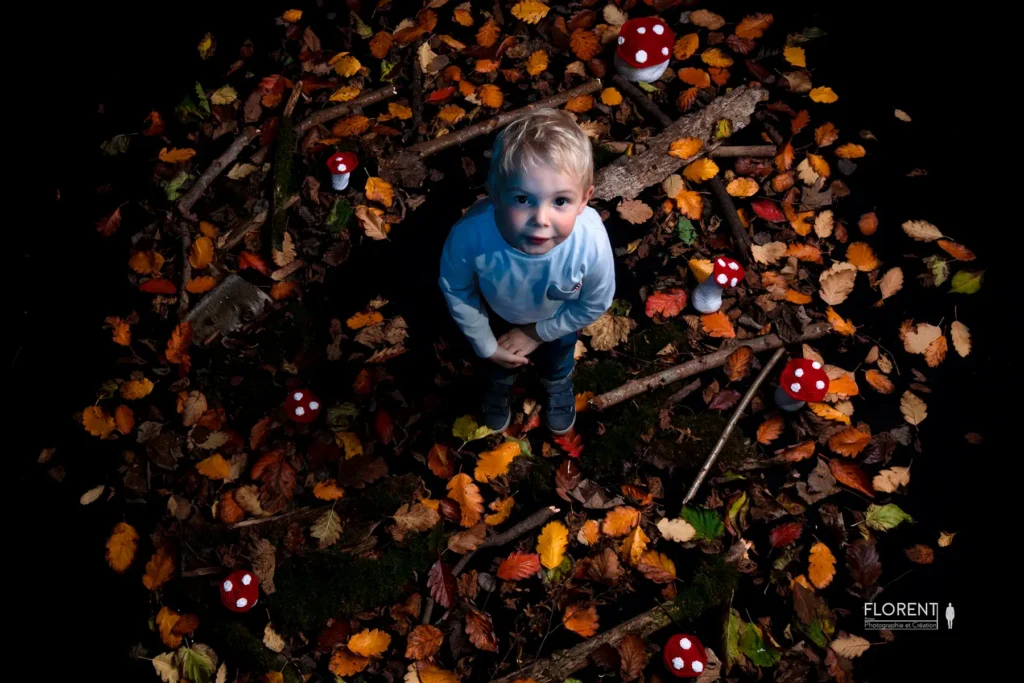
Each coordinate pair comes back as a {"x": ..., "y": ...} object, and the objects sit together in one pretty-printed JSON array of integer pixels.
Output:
[
  {"x": 657, "y": 567},
  {"x": 862, "y": 256},
  {"x": 850, "y": 646},
  {"x": 537, "y": 63},
  {"x": 688, "y": 98},
  {"x": 737, "y": 365},
  {"x": 584, "y": 44},
  {"x": 530, "y": 11},
  {"x": 635, "y": 211},
  {"x": 946, "y": 539},
  {"x": 417, "y": 517},
  {"x": 919, "y": 337},
  {"x": 961, "y": 338},
  {"x": 686, "y": 46},
  {"x": 769, "y": 253},
  {"x": 837, "y": 282},
  {"x": 685, "y": 147},
  {"x": 742, "y": 187},
  {"x": 371, "y": 219},
  {"x": 707, "y": 19},
  {"x": 754, "y": 26},
  {"x": 440, "y": 462},
  {"x": 469, "y": 540},
  {"x": 160, "y": 568},
  {"x": 380, "y": 44},
  {"x": 201, "y": 284},
  {"x": 887, "y": 481},
  {"x": 849, "y": 442},
  {"x": 957, "y": 251},
  {"x": 823, "y": 224},
  {"x": 784, "y": 159},
  {"x": 608, "y": 331},
  {"x": 423, "y": 642},
  {"x": 580, "y": 103},
  {"x": 350, "y": 126},
  {"x": 922, "y": 231},
  {"x": 124, "y": 419},
  {"x": 879, "y": 382},
  {"x": 463, "y": 491},
  {"x": 346, "y": 65},
  {"x": 891, "y": 282},
  {"x": 770, "y": 430},
  {"x": 718, "y": 325},
  {"x": 822, "y": 566},
  {"x": 620, "y": 521},
  {"x": 166, "y": 620},
  {"x": 677, "y": 530},
  {"x": 935, "y": 353},
  {"x": 826, "y": 134},
  {"x": 344, "y": 663},
  {"x": 913, "y": 408},
  {"x": 799, "y": 452},
  {"x": 480, "y": 630},
  {"x": 491, "y": 96},
  {"x": 488, "y": 34}
]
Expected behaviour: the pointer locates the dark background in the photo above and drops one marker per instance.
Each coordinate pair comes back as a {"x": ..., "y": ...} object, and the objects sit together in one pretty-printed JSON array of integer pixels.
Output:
[{"x": 131, "y": 58}]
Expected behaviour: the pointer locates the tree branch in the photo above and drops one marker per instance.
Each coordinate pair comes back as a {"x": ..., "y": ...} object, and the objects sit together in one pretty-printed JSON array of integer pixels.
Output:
[
  {"x": 331, "y": 113},
  {"x": 215, "y": 169}
]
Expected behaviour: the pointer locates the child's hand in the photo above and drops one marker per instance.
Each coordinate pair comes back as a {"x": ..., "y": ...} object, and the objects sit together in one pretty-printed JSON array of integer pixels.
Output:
[
  {"x": 518, "y": 341},
  {"x": 507, "y": 359}
]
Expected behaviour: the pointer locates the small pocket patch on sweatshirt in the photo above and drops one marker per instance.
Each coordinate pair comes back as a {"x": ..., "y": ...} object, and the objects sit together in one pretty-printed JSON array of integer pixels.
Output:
[{"x": 555, "y": 292}]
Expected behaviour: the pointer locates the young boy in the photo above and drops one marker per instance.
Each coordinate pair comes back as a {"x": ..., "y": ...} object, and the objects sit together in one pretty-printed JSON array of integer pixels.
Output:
[{"x": 530, "y": 265}]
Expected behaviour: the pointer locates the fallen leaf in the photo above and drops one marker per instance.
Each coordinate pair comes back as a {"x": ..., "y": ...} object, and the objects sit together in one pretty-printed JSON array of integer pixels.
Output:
[
  {"x": 502, "y": 509},
  {"x": 785, "y": 534},
  {"x": 657, "y": 567},
  {"x": 862, "y": 256},
  {"x": 686, "y": 46},
  {"x": 463, "y": 491},
  {"x": 836, "y": 283},
  {"x": 530, "y": 11},
  {"x": 552, "y": 543},
  {"x": 961, "y": 338},
  {"x": 677, "y": 530},
  {"x": 584, "y": 44},
  {"x": 469, "y": 540},
  {"x": 707, "y": 19},
  {"x": 379, "y": 190},
  {"x": 175, "y": 155},
  {"x": 493, "y": 464},
  {"x": 159, "y": 569},
  {"x": 822, "y": 566},
  {"x": 580, "y": 103},
  {"x": 823, "y": 95},
  {"x": 879, "y": 382},
  {"x": 852, "y": 475},
  {"x": 214, "y": 467},
  {"x": 922, "y": 231},
  {"x": 716, "y": 58},
  {"x": 770, "y": 253},
  {"x": 684, "y": 148},
  {"x": 888, "y": 480},
  {"x": 608, "y": 331},
  {"x": 737, "y": 365},
  {"x": 718, "y": 325},
  {"x": 850, "y": 151},
  {"x": 610, "y": 96},
  {"x": 667, "y": 303},
  {"x": 633, "y": 657},
  {"x": 326, "y": 529},
  {"x": 796, "y": 57},
  {"x": 770, "y": 430},
  {"x": 344, "y": 663},
  {"x": 581, "y": 619},
  {"x": 957, "y": 251},
  {"x": 328, "y": 490},
  {"x": 538, "y": 64},
  {"x": 885, "y": 517},
  {"x": 849, "y": 442},
  {"x": 839, "y": 324},
  {"x": 742, "y": 187},
  {"x": 635, "y": 211},
  {"x": 441, "y": 583},
  {"x": 121, "y": 547},
  {"x": 850, "y": 646},
  {"x": 480, "y": 630},
  {"x": 701, "y": 170},
  {"x": 423, "y": 642},
  {"x": 620, "y": 521},
  {"x": 518, "y": 566},
  {"x": 633, "y": 546}
]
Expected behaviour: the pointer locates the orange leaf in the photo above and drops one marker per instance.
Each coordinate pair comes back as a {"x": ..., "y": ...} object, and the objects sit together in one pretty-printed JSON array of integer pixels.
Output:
[
  {"x": 214, "y": 467},
  {"x": 488, "y": 34},
  {"x": 580, "y": 619},
  {"x": 688, "y": 98},
  {"x": 178, "y": 344},
  {"x": 369, "y": 643},
  {"x": 796, "y": 297},
  {"x": 440, "y": 462},
  {"x": 423, "y": 641},
  {"x": 124, "y": 419},
  {"x": 495, "y": 463},
  {"x": 464, "y": 18},
  {"x": 844, "y": 327},
  {"x": 826, "y": 134},
  {"x": 822, "y": 566},
  {"x": 700, "y": 170},
  {"x": 380, "y": 190},
  {"x": 696, "y": 77},
  {"x": 690, "y": 203},
  {"x": 537, "y": 63},
  {"x": 879, "y": 382},
  {"x": 344, "y": 663},
  {"x": 328, "y": 490},
  {"x": 360, "y": 320},
  {"x": 247, "y": 259},
  {"x": 134, "y": 389},
  {"x": 399, "y": 111},
  {"x": 737, "y": 365},
  {"x": 686, "y": 46},
  {"x": 715, "y": 57},
  {"x": 591, "y": 531},
  {"x": 228, "y": 509},
  {"x": 754, "y": 26},
  {"x": 742, "y": 187},
  {"x": 611, "y": 97},
  {"x": 849, "y": 442},
  {"x": 176, "y": 156},
  {"x": 409, "y": 34},
  {"x": 486, "y": 66},
  {"x": 935, "y": 352},
  {"x": 862, "y": 256},
  {"x": 868, "y": 223},
  {"x": 686, "y": 147},
  {"x": 202, "y": 252},
  {"x": 159, "y": 569},
  {"x": 850, "y": 151},
  {"x": 121, "y": 547},
  {"x": 583, "y": 401},
  {"x": 122, "y": 330},
  {"x": 823, "y": 95},
  {"x": 97, "y": 422},
  {"x": 350, "y": 126},
  {"x": 957, "y": 251},
  {"x": 156, "y": 124},
  {"x": 845, "y": 385},
  {"x": 819, "y": 165},
  {"x": 502, "y": 509},
  {"x": 620, "y": 521},
  {"x": 719, "y": 76},
  {"x": 463, "y": 491},
  {"x": 804, "y": 252},
  {"x": 799, "y": 452},
  {"x": 584, "y": 44},
  {"x": 165, "y": 620},
  {"x": 519, "y": 566},
  {"x": 784, "y": 159},
  {"x": 770, "y": 430},
  {"x": 800, "y": 122},
  {"x": 201, "y": 284},
  {"x": 668, "y": 303},
  {"x": 850, "y": 474},
  {"x": 380, "y": 44},
  {"x": 580, "y": 103},
  {"x": 633, "y": 547},
  {"x": 827, "y": 412},
  {"x": 718, "y": 325},
  {"x": 283, "y": 290},
  {"x": 146, "y": 262},
  {"x": 451, "y": 114}
]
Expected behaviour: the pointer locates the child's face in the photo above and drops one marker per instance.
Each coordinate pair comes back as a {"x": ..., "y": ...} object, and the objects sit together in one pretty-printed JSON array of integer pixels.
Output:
[{"x": 536, "y": 211}]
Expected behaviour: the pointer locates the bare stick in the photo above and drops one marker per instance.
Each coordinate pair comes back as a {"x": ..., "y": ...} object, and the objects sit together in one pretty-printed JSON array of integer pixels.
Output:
[
  {"x": 324, "y": 115},
  {"x": 643, "y": 101},
  {"x": 716, "y": 359},
  {"x": 740, "y": 238},
  {"x": 186, "y": 269},
  {"x": 529, "y": 524},
  {"x": 682, "y": 393},
  {"x": 417, "y": 92},
  {"x": 219, "y": 164},
  {"x": 731, "y": 425},
  {"x": 744, "y": 151}
]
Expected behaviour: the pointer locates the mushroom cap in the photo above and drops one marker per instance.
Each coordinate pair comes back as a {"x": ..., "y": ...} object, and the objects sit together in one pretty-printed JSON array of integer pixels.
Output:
[
  {"x": 302, "y": 405},
  {"x": 804, "y": 380},
  {"x": 728, "y": 272},
  {"x": 685, "y": 656},
  {"x": 342, "y": 162},
  {"x": 240, "y": 591},
  {"x": 645, "y": 41}
]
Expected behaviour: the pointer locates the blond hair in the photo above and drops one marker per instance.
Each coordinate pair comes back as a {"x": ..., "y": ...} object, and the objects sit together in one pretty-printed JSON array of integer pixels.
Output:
[{"x": 548, "y": 137}]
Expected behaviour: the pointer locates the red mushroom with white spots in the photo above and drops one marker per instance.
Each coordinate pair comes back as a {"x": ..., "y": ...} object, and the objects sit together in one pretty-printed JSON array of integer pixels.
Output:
[
  {"x": 685, "y": 656},
  {"x": 643, "y": 49},
  {"x": 240, "y": 591},
  {"x": 302, "y": 405},
  {"x": 341, "y": 164},
  {"x": 707, "y": 297},
  {"x": 802, "y": 380}
]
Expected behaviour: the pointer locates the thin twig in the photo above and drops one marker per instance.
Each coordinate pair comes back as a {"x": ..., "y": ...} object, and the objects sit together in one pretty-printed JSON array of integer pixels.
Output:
[
  {"x": 186, "y": 269},
  {"x": 219, "y": 164},
  {"x": 732, "y": 423}
]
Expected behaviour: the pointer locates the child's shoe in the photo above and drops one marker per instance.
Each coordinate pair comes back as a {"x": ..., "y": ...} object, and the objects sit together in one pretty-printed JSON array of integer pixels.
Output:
[
  {"x": 496, "y": 408},
  {"x": 560, "y": 410}
]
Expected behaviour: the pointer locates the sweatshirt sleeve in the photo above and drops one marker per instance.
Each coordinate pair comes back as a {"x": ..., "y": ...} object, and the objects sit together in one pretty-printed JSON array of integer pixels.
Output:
[
  {"x": 596, "y": 294},
  {"x": 459, "y": 285}
]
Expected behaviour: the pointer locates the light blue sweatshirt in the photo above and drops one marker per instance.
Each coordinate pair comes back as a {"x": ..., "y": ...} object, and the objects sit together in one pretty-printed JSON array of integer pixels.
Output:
[{"x": 562, "y": 291}]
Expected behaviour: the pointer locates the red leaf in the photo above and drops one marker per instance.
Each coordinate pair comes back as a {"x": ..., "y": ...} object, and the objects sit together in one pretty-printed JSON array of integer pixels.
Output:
[
  {"x": 668, "y": 303},
  {"x": 519, "y": 566},
  {"x": 441, "y": 584},
  {"x": 800, "y": 121},
  {"x": 108, "y": 225},
  {"x": 441, "y": 94},
  {"x": 156, "y": 124},
  {"x": 787, "y": 533},
  {"x": 272, "y": 84},
  {"x": 571, "y": 443},
  {"x": 247, "y": 259},
  {"x": 361, "y": 470},
  {"x": 158, "y": 285},
  {"x": 852, "y": 475},
  {"x": 332, "y": 636},
  {"x": 533, "y": 422},
  {"x": 385, "y": 427},
  {"x": 724, "y": 400},
  {"x": 567, "y": 477},
  {"x": 768, "y": 210}
]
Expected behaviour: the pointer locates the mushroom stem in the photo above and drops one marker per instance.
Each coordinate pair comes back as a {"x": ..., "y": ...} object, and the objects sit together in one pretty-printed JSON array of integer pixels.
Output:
[
  {"x": 339, "y": 181},
  {"x": 707, "y": 297},
  {"x": 646, "y": 74},
  {"x": 787, "y": 402}
]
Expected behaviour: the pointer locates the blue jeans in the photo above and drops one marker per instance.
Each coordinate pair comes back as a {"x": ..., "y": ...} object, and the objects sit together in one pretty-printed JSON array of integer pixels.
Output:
[{"x": 554, "y": 359}]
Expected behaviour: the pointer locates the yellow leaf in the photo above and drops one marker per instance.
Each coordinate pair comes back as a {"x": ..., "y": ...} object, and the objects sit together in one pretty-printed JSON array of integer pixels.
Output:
[
  {"x": 684, "y": 148},
  {"x": 819, "y": 165},
  {"x": 97, "y": 422},
  {"x": 380, "y": 190},
  {"x": 795, "y": 56},
  {"x": 428, "y": 673},
  {"x": 159, "y": 569},
  {"x": 701, "y": 170},
  {"x": 166, "y": 619},
  {"x": 344, "y": 663},
  {"x": 742, "y": 187},
  {"x": 346, "y": 65},
  {"x": 659, "y": 560},
  {"x": 201, "y": 254},
  {"x": 715, "y": 57},
  {"x": 862, "y": 256},
  {"x": 451, "y": 114},
  {"x": 491, "y": 96},
  {"x": 701, "y": 268},
  {"x": 551, "y": 544},
  {"x": 686, "y": 46},
  {"x": 214, "y": 467},
  {"x": 121, "y": 547},
  {"x": 634, "y": 545},
  {"x": 850, "y": 151},
  {"x": 580, "y": 619},
  {"x": 537, "y": 63},
  {"x": 502, "y": 509},
  {"x": 824, "y": 410},
  {"x": 146, "y": 262},
  {"x": 346, "y": 93},
  {"x": 175, "y": 155},
  {"x": 328, "y": 490},
  {"x": 530, "y": 11},
  {"x": 824, "y": 95},
  {"x": 360, "y": 320},
  {"x": 493, "y": 464},
  {"x": 691, "y": 204},
  {"x": 136, "y": 389},
  {"x": 844, "y": 327},
  {"x": 369, "y": 643},
  {"x": 580, "y": 103},
  {"x": 292, "y": 15},
  {"x": 611, "y": 97},
  {"x": 488, "y": 34},
  {"x": 463, "y": 491},
  {"x": 620, "y": 521},
  {"x": 350, "y": 126},
  {"x": 399, "y": 111},
  {"x": 822, "y": 565}
]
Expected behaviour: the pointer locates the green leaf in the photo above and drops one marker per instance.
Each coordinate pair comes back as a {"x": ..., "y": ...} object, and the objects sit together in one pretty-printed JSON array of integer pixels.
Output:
[
  {"x": 558, "y": 573},
  {"x": 723, "y": 129},
  {"x": 386, "y": 68},
  {"x": 572, "y": 680},
  {"x": 173, "y": 187},
  {"x": 707, "y": 523},
  {"x": 686, "y": 231},
  {"x": 647, "y": 86},
  {"x": 467, "y": 429},
  {"x": 809, "y": 33},
  {"x": 620, "y": 307},
  {"x": 117, "y": 144},
  {"x": 753, "y": 646},
  {"x": 732, "y": 640},
  {"x": 339, "y": 216},
  {"x": 967, "y": 282},
  {"x": 885, "y": 517},
  {"x": 524, "y": 446},
  {"x": 340, "y": 417},
  {"x": 362, "y": 29},
  {"x": 939, "y": 268},
  {"x": 738, "y": 511},
  {"x": 204, "y": 104},
  {"x": 196, "y": 666}
]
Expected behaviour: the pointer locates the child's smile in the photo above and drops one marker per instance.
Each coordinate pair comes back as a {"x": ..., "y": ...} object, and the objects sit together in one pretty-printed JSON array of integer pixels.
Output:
[{"x": 536, "y": 210}]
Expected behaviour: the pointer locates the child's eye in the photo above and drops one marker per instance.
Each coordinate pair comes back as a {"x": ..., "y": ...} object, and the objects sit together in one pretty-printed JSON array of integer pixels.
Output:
[
  {"x": 561, "y": 201},
  {"x": 521, "y": 198}
]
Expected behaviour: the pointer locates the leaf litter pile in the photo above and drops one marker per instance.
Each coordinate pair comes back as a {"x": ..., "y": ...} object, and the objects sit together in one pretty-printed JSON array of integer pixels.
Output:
[{"x": 392, "y": 537}]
